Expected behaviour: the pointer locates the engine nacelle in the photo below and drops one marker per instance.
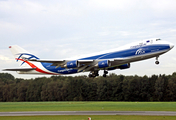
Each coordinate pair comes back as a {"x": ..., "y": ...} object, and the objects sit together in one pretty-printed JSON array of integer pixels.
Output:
[
  {"x": 104, "y": 63},
  {"x": 125, "y": 66},
  {"x": 72, "y": 64}
]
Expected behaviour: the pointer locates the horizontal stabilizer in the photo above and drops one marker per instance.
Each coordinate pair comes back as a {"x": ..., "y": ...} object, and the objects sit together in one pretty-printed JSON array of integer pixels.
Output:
[{"x": 19, "y": 69}]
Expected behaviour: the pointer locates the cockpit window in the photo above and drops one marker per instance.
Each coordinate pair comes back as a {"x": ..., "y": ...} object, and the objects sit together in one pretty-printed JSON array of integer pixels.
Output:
[
  {"x": 147, "y": 41},
  {"x": 158, "y": 39}
]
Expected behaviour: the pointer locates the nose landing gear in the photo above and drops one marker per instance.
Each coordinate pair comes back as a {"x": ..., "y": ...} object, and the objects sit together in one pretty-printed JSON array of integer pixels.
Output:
[{"x": 157, "y": 62}]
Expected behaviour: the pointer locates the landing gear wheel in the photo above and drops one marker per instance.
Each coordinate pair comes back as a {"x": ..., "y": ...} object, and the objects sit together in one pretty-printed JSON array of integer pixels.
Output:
[
  {"x": 157, "y": 62},
  {"x": 105, "y": 72},
  {"x": 90, "y": 75},
  {"x": 96, "y": 73},
  {"x": 93, "y": 74},
  {"x": 104, "y": 75}
]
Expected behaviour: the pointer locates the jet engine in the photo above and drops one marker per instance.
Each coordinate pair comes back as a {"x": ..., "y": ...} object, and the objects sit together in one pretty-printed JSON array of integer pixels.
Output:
[
  {"x": 72, "y": 64},
  {"x": 125, "y": 66},
  {"x": 104, "y": 63}
]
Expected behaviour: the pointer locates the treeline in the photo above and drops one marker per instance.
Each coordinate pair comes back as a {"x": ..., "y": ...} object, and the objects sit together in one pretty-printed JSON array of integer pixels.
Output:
[{"x": 80, "y": 88}]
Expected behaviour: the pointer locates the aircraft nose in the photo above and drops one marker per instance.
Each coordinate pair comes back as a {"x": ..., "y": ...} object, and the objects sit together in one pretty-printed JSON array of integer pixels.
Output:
[{"x": 171, "y": 45}]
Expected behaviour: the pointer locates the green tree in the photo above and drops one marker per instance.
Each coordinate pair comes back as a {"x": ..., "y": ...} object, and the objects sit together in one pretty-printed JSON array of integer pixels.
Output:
[
  {"x": 171, "y": 88},
  {"x": 159, "y": 89},
  {"x": 21, "y": 90}
]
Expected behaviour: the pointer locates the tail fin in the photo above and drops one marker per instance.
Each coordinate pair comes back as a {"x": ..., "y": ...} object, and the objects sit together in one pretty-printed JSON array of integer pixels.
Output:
[{"x": 21, "y": 55}]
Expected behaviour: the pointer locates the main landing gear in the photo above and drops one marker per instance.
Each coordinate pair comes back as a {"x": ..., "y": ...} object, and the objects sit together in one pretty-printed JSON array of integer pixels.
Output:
[
  {"x": 93, "y": 74},
  {"x": 157, "y": 62},
  {"x": 105, "y": 73}
]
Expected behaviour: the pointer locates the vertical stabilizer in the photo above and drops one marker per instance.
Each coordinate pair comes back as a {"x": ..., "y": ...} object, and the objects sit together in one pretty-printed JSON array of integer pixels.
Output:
[{"x": 21, "y": 55}]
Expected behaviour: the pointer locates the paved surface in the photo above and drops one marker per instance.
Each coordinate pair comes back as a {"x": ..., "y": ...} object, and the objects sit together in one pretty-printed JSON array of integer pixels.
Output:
[{"x": 34, "y": 113}]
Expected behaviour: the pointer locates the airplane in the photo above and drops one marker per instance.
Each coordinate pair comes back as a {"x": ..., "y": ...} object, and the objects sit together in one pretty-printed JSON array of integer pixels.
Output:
[{"x": 118, "y": 58}]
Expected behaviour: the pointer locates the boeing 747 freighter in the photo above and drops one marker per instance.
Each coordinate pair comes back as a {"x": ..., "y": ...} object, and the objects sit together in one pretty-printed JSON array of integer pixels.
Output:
[{"x": 118, "y": 58}]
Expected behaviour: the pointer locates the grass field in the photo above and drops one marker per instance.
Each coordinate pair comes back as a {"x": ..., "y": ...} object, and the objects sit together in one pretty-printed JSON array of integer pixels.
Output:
[
  {"x": 86, "y": 117},
  {"x": 87, "y": 106}
]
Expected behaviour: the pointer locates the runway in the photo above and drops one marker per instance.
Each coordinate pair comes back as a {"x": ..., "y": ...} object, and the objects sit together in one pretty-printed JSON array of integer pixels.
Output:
[{"x": 35, "y": 113}]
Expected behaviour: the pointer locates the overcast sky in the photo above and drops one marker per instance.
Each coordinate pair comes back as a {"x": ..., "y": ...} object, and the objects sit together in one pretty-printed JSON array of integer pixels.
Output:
[{"x": 59, "y": 29}]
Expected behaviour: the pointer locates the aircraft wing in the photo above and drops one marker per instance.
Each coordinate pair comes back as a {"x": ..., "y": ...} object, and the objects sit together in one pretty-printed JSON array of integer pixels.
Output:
[
  {"x": 121, "y": 59},
  {"x": 54, "y": 62},
  {"x": 59, "y": 63},
  {"x": 85, "y": 62},
  {"x": 19, "y": 69},
  {"x": 86, "y": 65},
  {"x": 64, "y": 61}
]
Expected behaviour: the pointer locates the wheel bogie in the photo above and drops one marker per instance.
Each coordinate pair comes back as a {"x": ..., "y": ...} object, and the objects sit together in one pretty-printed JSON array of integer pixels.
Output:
[{"x": 93, "y": 74}]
